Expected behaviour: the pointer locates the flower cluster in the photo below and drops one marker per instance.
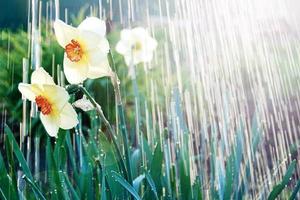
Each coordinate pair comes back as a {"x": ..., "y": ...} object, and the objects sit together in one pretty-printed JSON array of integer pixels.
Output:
[{"x": 85, "y": 56}]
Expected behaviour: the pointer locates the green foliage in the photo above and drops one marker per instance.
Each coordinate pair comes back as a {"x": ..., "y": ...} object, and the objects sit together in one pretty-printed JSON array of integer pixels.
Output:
[
  {"x": 126, "y": 185},
  {"x": 12, "y": 52},
  {"x": 295, "y": 191},
  {"x": 285, "y": 180},
  {"x": 89, "y": 175},
  {"x": 15, "y": 149}
]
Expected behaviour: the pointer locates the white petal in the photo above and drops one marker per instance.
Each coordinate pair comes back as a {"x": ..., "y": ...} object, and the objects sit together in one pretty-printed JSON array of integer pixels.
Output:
[
  {"x": 57, "y": 95},
  {"x": 151, "y": 44},
  {"x": 139, "y": 33},
  {"x": 68, "y": 117},
  {"x": 123, "y": 47},
  {"x": 126, "y": 35},
  {"x": 76, "y": 72},
  {"x": 93, "y": 24},
  {"x": 27, "y": 91},
  {"x": 135, "y": 58},
  {"x": 64, "y": 33},
  {"x": 104, "y": 46},
  {"x": 98, "y": 65},
  {"x": 40, "y": 76},
  {"x": 50, "y": 123},
  {"x": 90, "y": 40}
]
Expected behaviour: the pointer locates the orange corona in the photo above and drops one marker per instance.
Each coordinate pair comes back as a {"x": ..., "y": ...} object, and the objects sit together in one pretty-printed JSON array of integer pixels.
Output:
[
  {"x": 43, "y": 104},
  {"x": 74, "y": 51}
]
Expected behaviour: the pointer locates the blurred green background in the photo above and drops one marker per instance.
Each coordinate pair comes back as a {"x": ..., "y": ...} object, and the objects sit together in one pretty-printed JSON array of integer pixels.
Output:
[{"x": 14, "y": 13}]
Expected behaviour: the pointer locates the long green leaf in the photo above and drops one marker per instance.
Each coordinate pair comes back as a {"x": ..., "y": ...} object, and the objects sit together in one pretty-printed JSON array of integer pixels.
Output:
[
  {"x": 20, "y": 157},
  {"x": 2, "y": 195},
  {"x": 152, "y": 184},
  {"x": 34, "y": 187},
  {"x": 126, "y": 185},
  {"x": 103, "y": 189},
  {"x": 184, "y": 169},
  {"x": 54, "y": 179},
  {"x": 230, "y": 173},
  {"x": 137, "y": 182},
  {"x": 59, "y": 150},
  {"x": 280, "y": 187},
  {"x": 197, "y": 193},
  {"x": 71, "y": 188},
  {"x": 156, "y": 168},
  {"x": 295, "y": 191},
  {"x": 71, "y": 156},
  {"x": 18, "y": 152},
  {"x": 289, "y": 173},
  {"x": 5, "y": 183},
  {"x": 11, "y": 168}
]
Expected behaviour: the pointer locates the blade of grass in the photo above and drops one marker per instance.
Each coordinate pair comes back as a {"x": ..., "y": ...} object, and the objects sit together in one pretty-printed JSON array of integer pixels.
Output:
[
  {"x": 126, "y": 185},
  {"x": 185, "y": 183},
  {"x": 72, "y": 157},
  {"x": 2, "y": 195},
  {"x": 54, "y": 179},
  {"x": 109, "y": 161},
  {"x": 197, "y": 193},
  {"x": 125, "y": 141},
  {"x": 277, "y": 189},
  {"x": 19, "y": 155},
  {"x": 230, "y": 174},
  {"x": 71, "y": 188},
  {"x": 289, "y": 173},
  {"x": 59, "y": 150},
  {"x": 136, "y": 160},
  {"x": 152, "y": 184},
  {"x": 156, "y": 168},
  {"x": 5, "y": 182},
  {"x": 18, "y": 152},
  {"x": 103, "y": 188},
  {"x": 34, "y": 187},
  {"x": 11, "y": 168},
  {"x": 295, "y": 191},
  {"x": 137, "y": 182}
]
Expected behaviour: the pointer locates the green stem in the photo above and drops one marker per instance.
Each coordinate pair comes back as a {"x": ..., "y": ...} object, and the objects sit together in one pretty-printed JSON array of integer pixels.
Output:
[
  {"x": 107, "y": 124},
  {"x": 115, "y": 82}
]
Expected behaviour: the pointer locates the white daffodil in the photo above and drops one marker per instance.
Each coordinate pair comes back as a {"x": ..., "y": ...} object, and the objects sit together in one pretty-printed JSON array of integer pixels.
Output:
[
  {"x": 136, "y": 45},
  {"x": 52, "y": 101},
  {"x": 86, "y": 49}
]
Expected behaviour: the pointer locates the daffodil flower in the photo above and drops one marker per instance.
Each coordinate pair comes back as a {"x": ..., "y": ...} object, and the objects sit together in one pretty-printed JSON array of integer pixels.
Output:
[
  {"x": 52, "y": 101},
  {"x": 136, "y": 45},
  {"x": 86, "y": 49}
]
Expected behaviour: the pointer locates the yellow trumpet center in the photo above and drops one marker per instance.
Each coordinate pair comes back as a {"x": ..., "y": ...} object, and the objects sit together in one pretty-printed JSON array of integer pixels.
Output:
[
  {"x": 74, "y": 51},
  {"x": 137, "y": 46}
]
